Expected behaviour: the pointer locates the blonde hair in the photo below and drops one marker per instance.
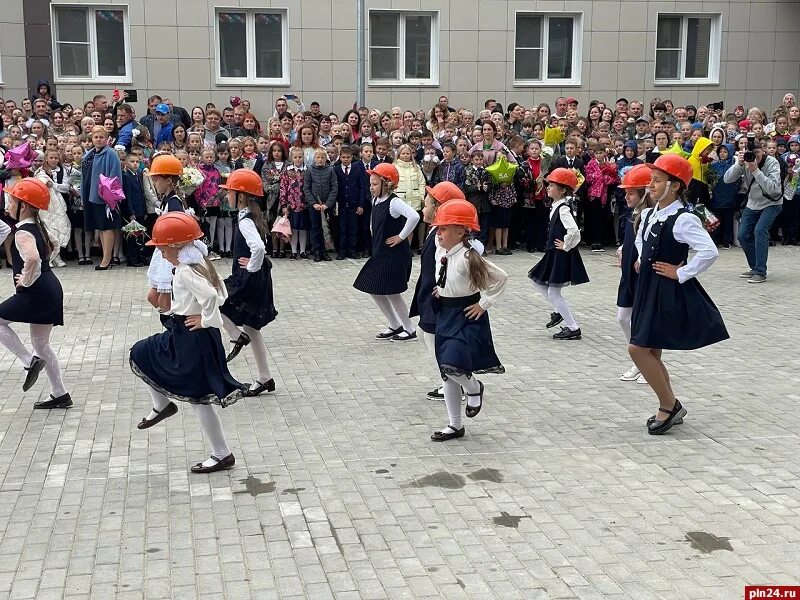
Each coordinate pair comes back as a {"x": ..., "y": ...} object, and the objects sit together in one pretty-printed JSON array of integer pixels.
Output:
[
  {"x": 98, "y": 129},
  {"x": 405, "y": 147}
]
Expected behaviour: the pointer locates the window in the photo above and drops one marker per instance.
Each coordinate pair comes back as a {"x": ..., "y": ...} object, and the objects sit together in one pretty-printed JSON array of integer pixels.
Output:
[
  {"x": 91, "y": 43},
  {"x": 252, "y": 47},
  {"x": 547, "y": 49},
  {"x": 403, "y": 48},
  {"x": 688, "y": 49}
]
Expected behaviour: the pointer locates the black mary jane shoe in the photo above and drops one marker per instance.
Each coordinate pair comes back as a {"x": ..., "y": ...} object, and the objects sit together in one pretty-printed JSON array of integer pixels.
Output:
[
  {"x": 568, "y": 334},
  {"x": 661, "y": 427},
  {"x": 404, "y": 336},
  {"x": 102, "y": 268},
  {"x": 448, "y": 433},
  {"x": 244, "y": 340},
  {"x": 116, "y": 261},
  {"x": 166, "y": 413},
  {"x": 472, "y": 411},
  {"x": 282, "y": 254},
  {"x": 221, "y": 465},
  {"x": 388, "y": 335},
  {"x": 325, "y": 257},
  {"x": 36, "y": 366},
  {"x": 64, "y": 401},
  {"x": 293, "y": 256},
  {"x": 652, "y": 419},
  {"x": 268, "y": 386},
  {"x": 555, "y": 319}
]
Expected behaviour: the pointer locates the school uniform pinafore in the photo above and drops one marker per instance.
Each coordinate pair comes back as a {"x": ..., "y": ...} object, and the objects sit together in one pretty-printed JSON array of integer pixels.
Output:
[
  {"x": 667, "y": 314},
  {"x": 250, "y": 298},
  {"x": 424, "y": 304},
  {"x": 41, "y": 303},
  {"x": 389, "y": 268},
  {"x": 558, "y": 268},
  {"x": 159, "y": 272},
  {"x": 628, "y": 275}
]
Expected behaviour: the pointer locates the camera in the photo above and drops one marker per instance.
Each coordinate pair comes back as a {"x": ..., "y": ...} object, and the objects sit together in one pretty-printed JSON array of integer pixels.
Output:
[{"x": 749, "y": 154}]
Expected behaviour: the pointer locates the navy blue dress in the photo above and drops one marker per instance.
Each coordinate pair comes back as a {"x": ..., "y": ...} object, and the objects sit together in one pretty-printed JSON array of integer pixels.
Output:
[
  {"x": 558, "y": 268},
  {"x": 425, "y": 305},
  {"x": 389, "y": 268},
  {"x": 667, "y": 314},
  {"x": 628, "y": 276},
  {"x": 250, "y": 299},
  {"x": 43, "y": 302}
]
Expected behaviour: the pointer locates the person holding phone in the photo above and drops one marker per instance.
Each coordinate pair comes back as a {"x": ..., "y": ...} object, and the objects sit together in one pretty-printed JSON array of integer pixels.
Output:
[{"x": 762, "y": 178}]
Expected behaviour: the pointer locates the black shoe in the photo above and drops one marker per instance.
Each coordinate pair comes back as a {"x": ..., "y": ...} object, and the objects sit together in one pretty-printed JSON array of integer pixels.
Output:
[
  {"x": 293, "y": 256},
  {"x": 472, "y": 411},
  {"x": 568, "y": 334},
  {"x": 340, "y": 257},
  {"x": 274, "y": 254},
  {"x": 238, "y": 344},
  {"x": 325, "y": 257},
  {"x": 661, "y": 427},
  {"x": 555, "y": 319},
  {"x": 448, "y": 433},
  {"x": 304, "y": 256},
  {"x": 64, "y": 401},
  {"x": 102, "y": 268},
  {"x": 167, "y": 412},
  {"x": 435, "y": 395},
  {"x": 404, "y": 336},
  {"x": 317, "y": 259},
  {"x": 268, "y": 386},
  {"x": 36, "y": 366},
  {"x": 221, "y": 465},
  {"x": 282, "y": 254},
  {"x": 83, "y": 261},
  {"x": 387, "y": 335},
  {"x": 115, "y": 261},
  {"x": 652, "y": 419}
]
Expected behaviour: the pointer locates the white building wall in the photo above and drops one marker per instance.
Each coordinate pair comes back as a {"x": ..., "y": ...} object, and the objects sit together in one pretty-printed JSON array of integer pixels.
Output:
[{"x": 12, "y": 51}]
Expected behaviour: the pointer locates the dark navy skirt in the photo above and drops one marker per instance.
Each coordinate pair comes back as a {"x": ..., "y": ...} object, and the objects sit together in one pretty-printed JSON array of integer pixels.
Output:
[
  {"x": 464, "y": 346},
  {"x": 96, "y": 218},
  {"x": 500, "y": 217},
  {"x": 41, "y": 304},
  {"x": 558, "y": 269},
  {"x": 186, "y": 365},
  {"x": 250, "y": 300},
  {"x": 387, "y": 272},
  {"x": 300, "y": 221}
]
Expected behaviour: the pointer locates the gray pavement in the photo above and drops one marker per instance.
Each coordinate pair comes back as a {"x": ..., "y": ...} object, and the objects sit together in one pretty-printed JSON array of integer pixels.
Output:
[{"x": 556, "y": 491}]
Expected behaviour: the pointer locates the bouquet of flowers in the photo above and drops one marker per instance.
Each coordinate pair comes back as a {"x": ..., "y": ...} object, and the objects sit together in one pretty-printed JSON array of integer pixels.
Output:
[
  {"x": 190, "y": 180},
  {"x": 135, "y": 229},
  {"x": 709, "y": 219}
]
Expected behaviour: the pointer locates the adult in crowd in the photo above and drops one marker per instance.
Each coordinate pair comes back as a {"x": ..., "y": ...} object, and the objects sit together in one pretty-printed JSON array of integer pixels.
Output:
[
  {"x": 44, "y": 92},
  {"x": 125, "y": 126},
  {"x": 100, "y": 160},
  {"x": 150, "y": 121},
  {"x": 214, "y": 132}
]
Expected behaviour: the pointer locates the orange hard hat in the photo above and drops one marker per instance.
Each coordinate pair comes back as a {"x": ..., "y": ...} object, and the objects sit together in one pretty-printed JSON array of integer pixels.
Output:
[
  {"x": 564, "y": 177},
  {"x": 31, "y": 191},
  {"x": 166, "y": 164},
  {"x": 386, "y": 171},
  {"x": 457, "y": 212},
  {"x": 175, "y": 228},
  {"x": 637, "y": 176},
  {"x": 245, "y": 180},
  {"x": 444, "y": 191},
  {"x": 675, "y": 166}
]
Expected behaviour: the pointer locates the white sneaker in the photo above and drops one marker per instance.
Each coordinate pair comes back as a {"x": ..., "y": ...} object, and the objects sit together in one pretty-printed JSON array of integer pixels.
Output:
[
  {"x": 57, "y": 262},
  {"x": 631, "y": 374},
  {"x": 641, "y": 380},
  {"x": 213, "y": 256}
]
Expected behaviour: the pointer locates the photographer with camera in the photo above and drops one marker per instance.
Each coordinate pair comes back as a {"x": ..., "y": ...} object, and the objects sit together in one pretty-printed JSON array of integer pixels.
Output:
[{"x": 761, "y": 176}]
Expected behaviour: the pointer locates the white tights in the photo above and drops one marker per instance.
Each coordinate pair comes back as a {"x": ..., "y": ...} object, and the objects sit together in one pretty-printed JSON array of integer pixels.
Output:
[
  {"x": 212, "y": 230},
  {"x": 225, "y": 233},
  {"x": 452, "y": 396},
  {"x": 209, "y": 421},
  {"x": 299, "y": 240},
  {"x": 256, "y": 343},
  {"x": 40, "y": 340},
  {"x": 624, "y": 314},
  {"x": 82, "y": 241},
  {"x": 395, "y": 310},
  {"x": 553, "y": 296}
]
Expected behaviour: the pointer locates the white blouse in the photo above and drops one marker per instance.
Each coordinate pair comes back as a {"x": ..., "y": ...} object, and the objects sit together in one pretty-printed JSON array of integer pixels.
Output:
[
  {"x": 257, "y": 249},
  {"x": 687, "y": 230},
  {"x": 26, "y": 246},
  {"x": 458, "y": 284},
  {"x": 192, "y": 294},
  {"x": 573, "y": 236},
  {"x": 398, "y": 209}
]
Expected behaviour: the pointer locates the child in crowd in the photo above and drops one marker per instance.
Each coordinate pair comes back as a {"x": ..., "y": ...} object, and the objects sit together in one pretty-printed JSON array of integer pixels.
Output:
[
  {"x": 476, "y": 186},
  {"x": 320, "y": 189},
  {"x": 362, "y": 167},
  {"x": 134, "y": 207},
  {"x": 723, "y": 195},
  {"x": 350, "y": 203},
  {"x": 600, "y": 174},
  {"x": 224, "y": 235},
  {"x": 207, "y": 197},
  {"x": 292, "y": 203},
  {"x": 55, "y": 217},
  {"x": 410, "y": 188},
  {"x": 271, "y": 172},
  {"x": 534, "y": 209}
]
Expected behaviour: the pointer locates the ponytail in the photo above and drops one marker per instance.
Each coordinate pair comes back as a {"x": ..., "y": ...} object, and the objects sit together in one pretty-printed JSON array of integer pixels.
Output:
[
  {"x": 645, "y": 202},
  {"x": 43, "y": 230},
  {"x": 207, "y": 271},
  {"x": 258, "y": 216},
  {"x": 479, "y": 275}
]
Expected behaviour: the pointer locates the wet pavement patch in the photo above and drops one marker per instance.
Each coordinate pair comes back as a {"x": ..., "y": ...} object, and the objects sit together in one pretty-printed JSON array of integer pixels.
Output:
[
  {"x": 254, "y": 486},
  {"x": 487, "y": 475},
  {"x": 442, "y": 479},
  {"x": 708, "y": 542},
  {"x": 507, "y": 520}
]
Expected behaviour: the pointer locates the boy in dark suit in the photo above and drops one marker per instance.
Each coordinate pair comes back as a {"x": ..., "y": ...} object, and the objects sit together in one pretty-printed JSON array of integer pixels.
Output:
[
  {"x": 366, "y": 162},
  {"x": 134, "y": 207},
  {"x": 571, "y": 160},
  {"x": 351, "y": 203}
]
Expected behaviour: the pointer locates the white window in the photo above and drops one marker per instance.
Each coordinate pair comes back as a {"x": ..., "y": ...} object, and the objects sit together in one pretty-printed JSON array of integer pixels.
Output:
[
  {"x": 403, "y": 48},
  {"x": 91, "y": 43},
  {"x": 547, "y": 49},
  {"x": 252, "y": 47},
  {"x": 688, "y": 49}
]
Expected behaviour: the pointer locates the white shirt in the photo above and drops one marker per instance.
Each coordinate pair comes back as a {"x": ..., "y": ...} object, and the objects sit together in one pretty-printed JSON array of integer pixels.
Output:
[
  {"x": 687, "y": 230},
  {"x": 31, "y": 261},
  {"x": 458, "y": 284},
  {"x": 5, "y": 231},
  {"x": 192, "y": 294},
  {"x": 257, "y": 249},
  {"x": 398, "y": 209},
  {"x": 573, "y": 236}
]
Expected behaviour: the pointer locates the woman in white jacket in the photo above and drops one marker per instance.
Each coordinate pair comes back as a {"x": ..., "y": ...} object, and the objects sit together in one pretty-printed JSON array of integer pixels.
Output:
[{"x": 55, "y": 218}]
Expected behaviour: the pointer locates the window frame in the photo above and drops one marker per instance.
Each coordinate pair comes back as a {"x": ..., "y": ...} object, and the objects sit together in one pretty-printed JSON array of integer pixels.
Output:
[
  {"x": 714, "y": 54},
  {"x": 402, "y": 81},
  {"x": 577, "y": 49},
  {"x": 93, "y": 77},
  {"x": 251, "y": 79}
]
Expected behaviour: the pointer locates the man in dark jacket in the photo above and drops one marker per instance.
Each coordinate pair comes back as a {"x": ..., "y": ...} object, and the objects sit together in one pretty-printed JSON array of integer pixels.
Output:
[
  {"x": 150, "y": 121},
  {"x": 43, "y": 91}
]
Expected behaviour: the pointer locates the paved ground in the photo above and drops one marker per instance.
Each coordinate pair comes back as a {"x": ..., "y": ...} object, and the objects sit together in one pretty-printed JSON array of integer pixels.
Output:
[{"x": 555, "y": 492}]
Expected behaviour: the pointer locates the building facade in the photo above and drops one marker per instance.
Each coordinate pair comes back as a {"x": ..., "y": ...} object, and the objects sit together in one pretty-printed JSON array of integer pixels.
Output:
[{"x": 195, "y": 51}]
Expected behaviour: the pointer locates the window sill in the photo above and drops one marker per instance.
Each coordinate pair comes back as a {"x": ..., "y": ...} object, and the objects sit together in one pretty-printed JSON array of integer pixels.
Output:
[
  {"x": 553, "y": 83},
  {"x": 396, "y": 83},
  {"x": 92, "y": 81},
  {"x": 233, "y": 82},
  {"x": 682, "y": 82}
]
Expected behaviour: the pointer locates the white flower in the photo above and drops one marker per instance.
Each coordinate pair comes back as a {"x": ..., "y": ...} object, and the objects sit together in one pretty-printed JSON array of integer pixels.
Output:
[
  {"x": 135, "y": 132},
  {"x": 547, "y": 150}
]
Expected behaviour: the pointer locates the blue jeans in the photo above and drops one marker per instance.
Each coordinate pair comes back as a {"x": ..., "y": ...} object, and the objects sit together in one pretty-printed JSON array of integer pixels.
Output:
[{"x": 754, "y": 236}]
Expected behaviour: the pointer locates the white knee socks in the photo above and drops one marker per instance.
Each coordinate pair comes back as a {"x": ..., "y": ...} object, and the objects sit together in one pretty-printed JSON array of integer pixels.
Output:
[
  {"x": 40, "y": 339},
  {"x": 556, "y": 300},
  {"x": 260, "y": 354},
  {"x": 212, "y": 429},
  {"x": 299, "y": 241},
  {"x": 624, "y": 314}
]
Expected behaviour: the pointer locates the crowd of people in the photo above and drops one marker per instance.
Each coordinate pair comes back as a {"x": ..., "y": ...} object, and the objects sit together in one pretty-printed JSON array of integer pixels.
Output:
[{"x": 96, "y": 180}]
